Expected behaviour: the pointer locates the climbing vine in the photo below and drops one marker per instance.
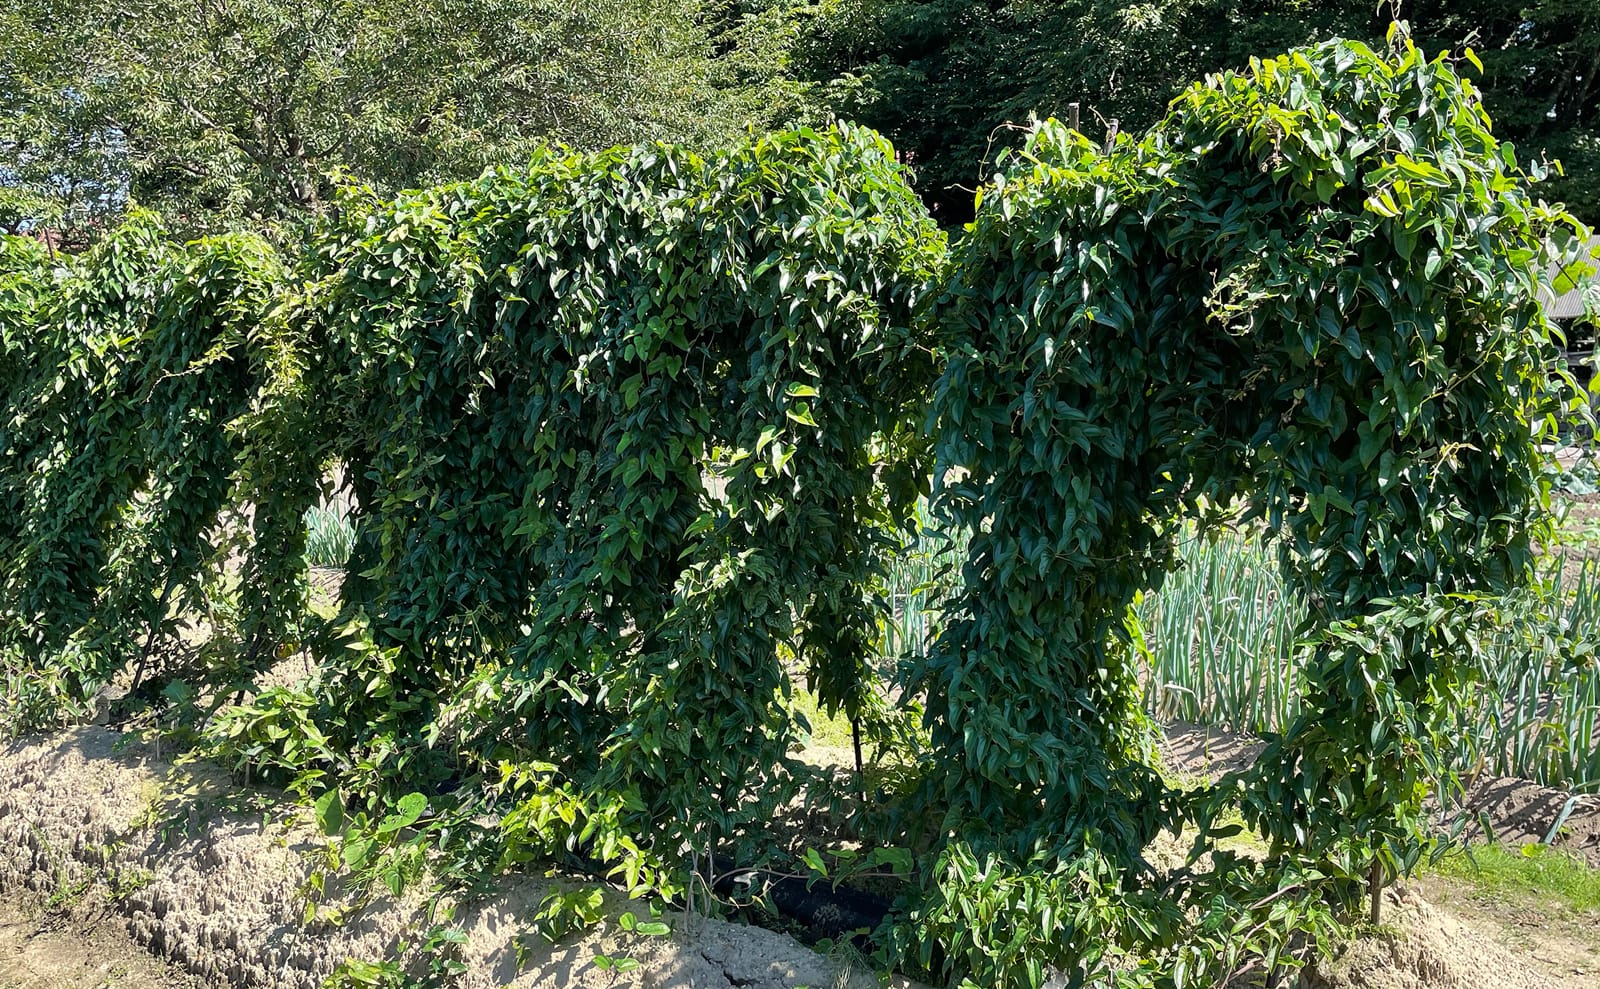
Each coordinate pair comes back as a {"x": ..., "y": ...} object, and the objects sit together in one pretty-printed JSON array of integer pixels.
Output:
[
  {"x": 631, "y": 440},
  {"x": 1306, "y": 298},
  {"x": 628, "y": 440},
  {"x": 128, "y": 373}
]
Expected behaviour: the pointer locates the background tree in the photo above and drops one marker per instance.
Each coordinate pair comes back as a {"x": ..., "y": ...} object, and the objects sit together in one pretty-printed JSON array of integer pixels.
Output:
[
  {"x": 55, "y": 155},
  {"x": 1540, "y": 63},
  {"x": 219, "y": 112},
  {"x": 222, "y": 113}
]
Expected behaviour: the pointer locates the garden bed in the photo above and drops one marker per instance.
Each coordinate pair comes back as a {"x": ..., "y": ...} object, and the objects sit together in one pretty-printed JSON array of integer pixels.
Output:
[
  {"x": 109, "y": 854},
  {"x": 201, "y": 874}
]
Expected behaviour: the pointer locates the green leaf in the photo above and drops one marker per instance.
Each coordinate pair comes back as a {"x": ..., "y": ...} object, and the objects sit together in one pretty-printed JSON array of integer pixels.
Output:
[
  {"x": 408, "y": 809},
  {"x": 330, "y": 813},
  {"x": 813, "y": 861}
]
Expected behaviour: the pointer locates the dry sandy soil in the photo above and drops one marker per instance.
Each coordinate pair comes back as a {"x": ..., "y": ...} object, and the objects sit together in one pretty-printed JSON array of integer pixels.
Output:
[
  {"x": 191, "y": 868},
  {"x": 118, "y": 871},
  {"x": 57, "y": 951}
]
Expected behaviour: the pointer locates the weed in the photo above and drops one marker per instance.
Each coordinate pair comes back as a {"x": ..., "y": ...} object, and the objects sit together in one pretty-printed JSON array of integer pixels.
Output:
[{"x": 433, "y": 963}]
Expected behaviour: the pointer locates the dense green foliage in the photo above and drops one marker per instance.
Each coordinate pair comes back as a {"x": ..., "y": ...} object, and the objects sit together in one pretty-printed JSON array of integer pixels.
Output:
[
  {"x": 224, "y": 113},
  {"x": 624, "y": 430},
  {"x": 631, "y": 439},
  {"x": 149, "y": 395},
  {"x": 1306, "y": 294},
  {"x": 943, "y": 78},
  {"x": 626, "y": 433}
]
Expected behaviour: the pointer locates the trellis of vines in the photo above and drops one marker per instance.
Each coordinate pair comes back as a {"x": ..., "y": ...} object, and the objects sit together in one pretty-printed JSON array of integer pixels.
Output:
[
  {"x": 633, "y": 437},
  {"x": 1308, "y": 297},
  {"x": 145, "y": 393}
]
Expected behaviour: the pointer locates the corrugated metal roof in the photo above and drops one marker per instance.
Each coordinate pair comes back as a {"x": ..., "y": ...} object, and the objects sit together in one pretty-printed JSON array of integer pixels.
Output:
[{"x": 1569, "y": 305}]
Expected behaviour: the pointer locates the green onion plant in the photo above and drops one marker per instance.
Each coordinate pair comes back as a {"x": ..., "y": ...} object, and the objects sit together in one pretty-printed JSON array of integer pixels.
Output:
[
  {"x": 330, "y": 537},
  {"x": 1219, "y": 646}
]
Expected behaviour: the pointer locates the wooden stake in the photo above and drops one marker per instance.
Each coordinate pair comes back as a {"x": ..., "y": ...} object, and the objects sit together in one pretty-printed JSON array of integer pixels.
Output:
[
  {"x": 855, "y": 739},
  {"x": 1375, "y": 889}
]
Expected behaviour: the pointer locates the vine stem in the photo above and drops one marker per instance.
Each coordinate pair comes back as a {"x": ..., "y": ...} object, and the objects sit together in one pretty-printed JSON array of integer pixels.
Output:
[
  {"x": 855, "y": 740},
  {"x": 155, "y": 627}
]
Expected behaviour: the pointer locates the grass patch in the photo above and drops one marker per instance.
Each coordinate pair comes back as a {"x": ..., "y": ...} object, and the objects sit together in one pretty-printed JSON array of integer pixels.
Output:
[
  {"x": 826, "y": 731},
  {"x": 1535, "y": 869}
]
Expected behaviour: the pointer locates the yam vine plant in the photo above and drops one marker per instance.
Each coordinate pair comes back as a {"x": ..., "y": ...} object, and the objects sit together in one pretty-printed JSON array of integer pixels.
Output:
[
  {"x": 633, "y": 438},
  {"x": 147, "y": 396},
  {"x": 1310, "y": 291}
]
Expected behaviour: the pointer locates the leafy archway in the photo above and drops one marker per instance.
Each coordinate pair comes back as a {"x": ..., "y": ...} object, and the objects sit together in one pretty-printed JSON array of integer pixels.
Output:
[
  {"x": 633, "y": 435},
  {"x": 1306, "y": 298}
]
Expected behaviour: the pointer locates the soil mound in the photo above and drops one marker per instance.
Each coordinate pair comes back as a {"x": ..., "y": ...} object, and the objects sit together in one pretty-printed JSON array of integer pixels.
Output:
[
  {"x": 200, "y": 873},
  {"x": 1521, "y": 812},
  {"x": 1507, "y": 810},
  {"x": 1424, "y": 948}
]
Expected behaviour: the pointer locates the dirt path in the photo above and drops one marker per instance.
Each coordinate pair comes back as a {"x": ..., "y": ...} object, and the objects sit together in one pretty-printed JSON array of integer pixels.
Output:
[
  {"x": 39, "y": 951},
  {"x": 1561, "y": 944}
]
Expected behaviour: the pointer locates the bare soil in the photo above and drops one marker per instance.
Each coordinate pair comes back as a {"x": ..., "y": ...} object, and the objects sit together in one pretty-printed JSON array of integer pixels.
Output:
[
  {"x": 1511, "y": 811},
  {"x": 177, "y": 879},
  {"x": 200, "y": 873},
  {"x": 57, "y": 950},
  {"x": 1556, "y": 942},
  {"x": 1423, "y": 946}
]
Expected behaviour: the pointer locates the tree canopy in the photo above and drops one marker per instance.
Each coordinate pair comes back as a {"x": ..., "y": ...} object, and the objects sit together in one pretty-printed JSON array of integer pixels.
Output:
[
  {"x": 223, "y": 114},
  {"x": 219, "y": 112}
]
